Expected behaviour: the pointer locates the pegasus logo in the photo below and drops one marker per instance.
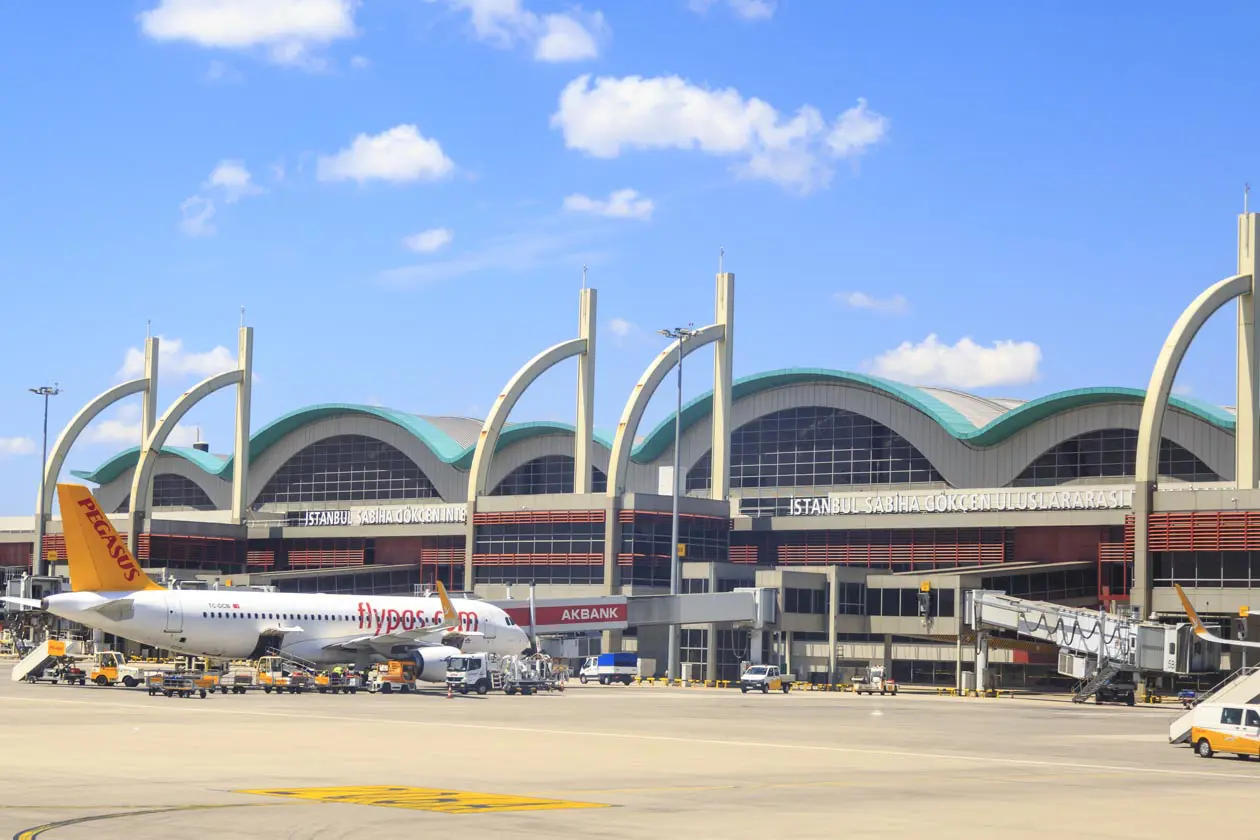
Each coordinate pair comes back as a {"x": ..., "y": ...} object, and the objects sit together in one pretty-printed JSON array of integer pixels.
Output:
[{"x": 113, "y": 543}]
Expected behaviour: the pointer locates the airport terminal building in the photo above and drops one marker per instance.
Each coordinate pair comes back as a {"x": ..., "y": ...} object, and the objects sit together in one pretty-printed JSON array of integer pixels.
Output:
[{"x": 849, "y": 493}]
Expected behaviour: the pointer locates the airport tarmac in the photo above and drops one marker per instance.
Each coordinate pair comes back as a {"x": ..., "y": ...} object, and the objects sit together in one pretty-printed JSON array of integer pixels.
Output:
[{"x": 608, "y": 762}]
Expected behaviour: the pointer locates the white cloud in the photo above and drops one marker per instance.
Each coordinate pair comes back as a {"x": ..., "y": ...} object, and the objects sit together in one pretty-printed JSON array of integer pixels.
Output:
[
  {"x": 399, "y": 154},
  {"x": 1183, "y": 390},
  {"x": 195, "y": 214},
  {"x": 360, "y": 62},
  {"x": 428, "y": 241},
  {"x": 623, "y": 331},
  {"x": 620, "y": 204},
  {"x": 220, "y": 72},
  {"x": 231, "y": 180},
  {"x": 605, "y": 116},
  {"x": 16, "y": 446},
  {"x": 897, "y": 304},
  {"x": 575, "y": 36},
  {"x": 746, "y": 9},
  {"x": 962, "y": 365},
  {"x": 288, "y": 29},
  {"x": 506, "y": 254},
  {"x": 173, "y": 360},
  {"x": 124, "y": 429}
]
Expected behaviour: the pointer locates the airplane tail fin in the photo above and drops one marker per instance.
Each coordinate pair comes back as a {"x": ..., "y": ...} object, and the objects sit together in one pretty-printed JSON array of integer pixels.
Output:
[
  {"x": 450, "y": 616},
  {"x": 98, "y": 555},
  {"x": 1199, "y": 629}
]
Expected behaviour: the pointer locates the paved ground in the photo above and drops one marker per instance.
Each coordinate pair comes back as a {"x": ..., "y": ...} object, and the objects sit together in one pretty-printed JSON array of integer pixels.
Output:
[{"x": 660, "y": 762}]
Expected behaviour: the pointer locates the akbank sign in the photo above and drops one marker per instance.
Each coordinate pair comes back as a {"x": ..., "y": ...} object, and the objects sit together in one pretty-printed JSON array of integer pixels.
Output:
[
  {"x": 963, "y": 501},
  {"x": 392, "y": 515}
]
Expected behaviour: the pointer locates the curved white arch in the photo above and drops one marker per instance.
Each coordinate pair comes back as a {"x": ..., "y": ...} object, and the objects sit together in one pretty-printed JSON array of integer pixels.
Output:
[
  {"x": 446, "y": 479},
  {"x": 1170, "y": 356},
  {"x": 218, "y": 489},
  {"x": 479, "y": 473},
  {"x": 642, "y": 394},
  {"x": 152, "y": 449}
]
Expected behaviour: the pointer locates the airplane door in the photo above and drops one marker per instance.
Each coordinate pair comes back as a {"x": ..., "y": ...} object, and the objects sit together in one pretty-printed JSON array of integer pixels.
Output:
[
  {"x": 488, "y": 629},
  {"x": 174, "y": 613}
]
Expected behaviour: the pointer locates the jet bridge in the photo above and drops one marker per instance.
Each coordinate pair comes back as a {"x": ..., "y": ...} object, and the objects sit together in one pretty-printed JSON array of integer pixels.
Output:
[{"x": 1093, "y": 646}]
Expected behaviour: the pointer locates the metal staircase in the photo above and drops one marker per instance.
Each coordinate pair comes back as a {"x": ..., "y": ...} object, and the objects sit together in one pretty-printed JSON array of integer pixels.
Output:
[
  {"x": 1101, "y": 677},
  {"x": 1242, "y": 686},
  {"x": 296, "y": 661}
]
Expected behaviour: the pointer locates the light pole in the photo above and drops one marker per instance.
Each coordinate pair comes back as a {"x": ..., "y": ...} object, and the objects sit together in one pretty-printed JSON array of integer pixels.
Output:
[
  {"x": 681, "y": 335},
  {"x": 37, "y": 562}
]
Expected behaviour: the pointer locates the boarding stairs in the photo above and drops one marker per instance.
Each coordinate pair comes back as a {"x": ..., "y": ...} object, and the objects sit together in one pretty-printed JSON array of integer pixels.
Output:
[
  {"x": 1106, "y": 671},
  {"x": 1242, "y": 686},
  {"x": 44, "y": 655},
  {"x": 296, "y": 662}
]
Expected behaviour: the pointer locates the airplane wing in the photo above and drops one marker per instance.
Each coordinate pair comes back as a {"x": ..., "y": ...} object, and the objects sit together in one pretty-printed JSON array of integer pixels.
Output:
[
  {"x": 1201, "y": 631},
  {"x": 22, "y": 602},
  {"x": 439, "y": 634}
]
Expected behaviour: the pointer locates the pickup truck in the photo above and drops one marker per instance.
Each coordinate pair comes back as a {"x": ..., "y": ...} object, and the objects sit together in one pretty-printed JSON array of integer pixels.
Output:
[
  {"x": 610, "y": 668},
  {"x": 764, "y": 678}
]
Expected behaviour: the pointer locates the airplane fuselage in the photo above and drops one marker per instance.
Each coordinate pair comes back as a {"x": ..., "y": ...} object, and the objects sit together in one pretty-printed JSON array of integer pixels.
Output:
[{"x": 238, "y": 624}]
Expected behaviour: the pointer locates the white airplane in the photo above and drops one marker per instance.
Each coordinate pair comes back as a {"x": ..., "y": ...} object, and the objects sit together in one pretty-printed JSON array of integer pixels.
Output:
[
  {"x": 1201, "y": 631},
  {"x": 110, "y": 592}
]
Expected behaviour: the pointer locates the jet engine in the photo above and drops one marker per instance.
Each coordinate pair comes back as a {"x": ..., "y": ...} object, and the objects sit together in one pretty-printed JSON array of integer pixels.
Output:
[{"x": 431, "y": 662}]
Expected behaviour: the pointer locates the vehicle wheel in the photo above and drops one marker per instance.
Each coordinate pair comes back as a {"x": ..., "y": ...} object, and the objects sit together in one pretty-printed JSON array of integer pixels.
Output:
[
  {"x": 765, "y": 688},
  {"x": 267, "y": 689},
  {"x": 1130, "y": 699},
  {"x": 1098, "y": 700},
  {"x": 203, "y": 694},
  {"x": 582, "y": 679},
  {"x": 509, "y": 690},
  {"x": 32, "y": 679},
  {"x": 169, "y": 693},
  {"x": 130, "y": 682},
  {"x": 463, "y": 689},
  {"x": 387, "y": 688},
  {"x": 786, "y": 688},
  {"x": 482, "y": 687},
  {"x": 405, "y": 688},
  {"x": 525, "y": 692},
  {"x": 743, "y": 689},
  {"x": 603, "y": 680},
  {"x": 102, "y": 680},
  {"x": 1203, "y": 748},
  {"x": 627, "y": 681}
]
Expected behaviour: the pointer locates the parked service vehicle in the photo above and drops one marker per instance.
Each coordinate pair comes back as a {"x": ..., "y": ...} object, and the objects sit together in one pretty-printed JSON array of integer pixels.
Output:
[
  {"x": 332, "y": 682},
  {"x": 609, "y": 668},
  {"x": 875, "y": 679},
  {"x": 479, "y": 672},
  {"x": 1226, "y": 728},
  {"x": 1121, "y": 689},
  {"x": 109, "y": 667},
  {"x": 764, "y": 678},
  {"x": 275, "y": 674},
  {"x": 387, "y": 676}
]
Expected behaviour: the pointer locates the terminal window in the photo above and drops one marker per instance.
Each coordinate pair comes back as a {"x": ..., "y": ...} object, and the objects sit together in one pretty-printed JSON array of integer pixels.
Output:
[
  {"x": 818, "y": 447},
  {"x": 548, "y": 474},
  {"x": 173, "y": 491},
  {"x": 347, "y": 468},
  {"x": 1109, "y": 453}
]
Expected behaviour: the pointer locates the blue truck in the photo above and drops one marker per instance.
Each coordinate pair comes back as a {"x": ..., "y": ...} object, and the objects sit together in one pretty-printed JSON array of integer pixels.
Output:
[{"x": 609, "y": 668}]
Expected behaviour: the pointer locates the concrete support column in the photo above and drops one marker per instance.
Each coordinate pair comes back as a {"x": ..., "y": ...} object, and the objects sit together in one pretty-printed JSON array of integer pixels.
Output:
[
  {"x": 1247, "y": 430},
  {"x": 755, "y": 653},
  {"x": 1140, "y": 591},
  {"x": 612, "y": 539},
  {"x": 888, "y": 655},
  {"x": 833, "y": 586},
  {"x": 470, "y": 533},
  {"x": 584, "y": 429},
  {"x": 958, "y": 624},
  {"x": 982, "y": 662},
  {"x": 240, "y": 462},
  {"x": 723, "y": 356},
  {"x": 710, "y": 654},
  {"x": 148, "y": 403},
  {"x": 787, "y": 653}
]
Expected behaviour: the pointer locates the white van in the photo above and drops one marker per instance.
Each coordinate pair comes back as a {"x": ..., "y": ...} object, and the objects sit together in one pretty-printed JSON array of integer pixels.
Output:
[{"x": 1226, "y": 728}]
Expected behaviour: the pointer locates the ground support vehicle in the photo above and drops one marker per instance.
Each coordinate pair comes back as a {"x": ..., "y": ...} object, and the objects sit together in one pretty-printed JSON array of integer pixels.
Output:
[
  {"x": 396, "y": 674},
  {"x": 109, "y": 667},
  {"x": 875, "y": 680},
  {"x": 276, "y": 674},
  {"x": 1226, "y": 728},
  {"x": 331, "y": 682},
  {"x": 178, "y": 685},
  {"x": 477, "y": 672},
  {"x": 1121, "y": 689},
  {"x": 238, "y": 679},
  {"x": 764, "y": 678},
  {"x": 609, "y": 668}
]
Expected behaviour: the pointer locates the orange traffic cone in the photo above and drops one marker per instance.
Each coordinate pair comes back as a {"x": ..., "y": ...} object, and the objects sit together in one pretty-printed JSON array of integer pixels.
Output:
[{"x": 450, "y": 693}]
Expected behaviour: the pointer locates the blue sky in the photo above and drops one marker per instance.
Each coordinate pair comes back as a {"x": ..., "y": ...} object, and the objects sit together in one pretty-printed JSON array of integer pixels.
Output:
[{"x": 402, "y": 194}]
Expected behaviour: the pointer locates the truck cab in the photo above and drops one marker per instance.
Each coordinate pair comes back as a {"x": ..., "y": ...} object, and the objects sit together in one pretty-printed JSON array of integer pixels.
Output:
[
  {"x": 477, "y": 672},
  {"x": 764, "y": 678},
  {"x": 609, "y": 668}
]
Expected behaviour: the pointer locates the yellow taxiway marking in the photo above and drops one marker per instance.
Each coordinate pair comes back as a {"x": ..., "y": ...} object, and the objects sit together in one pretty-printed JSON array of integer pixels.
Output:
[{"x": 425, "y": 799}]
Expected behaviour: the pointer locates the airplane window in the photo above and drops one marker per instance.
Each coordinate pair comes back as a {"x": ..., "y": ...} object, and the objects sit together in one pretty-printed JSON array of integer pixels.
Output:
[{"x": 203, "y": 615}]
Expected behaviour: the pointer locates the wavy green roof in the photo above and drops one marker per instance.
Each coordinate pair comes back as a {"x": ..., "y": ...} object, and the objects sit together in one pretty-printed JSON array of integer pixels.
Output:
[
  {"x": 949, "y": 418},
  {"x": 448, "y": 450},
  {"x": 442, "y": 445}
]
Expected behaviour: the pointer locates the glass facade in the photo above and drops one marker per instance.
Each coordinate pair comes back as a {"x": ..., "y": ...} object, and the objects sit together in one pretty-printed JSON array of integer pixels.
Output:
[
  {"x": 805, "y": 601},
  {"x": 818, "y": 447},
  {"x": 541, "y": 538},
  {"x": 347, "y": 468},
  {"x": 1109, "y": 453},
  {"x": 904, "y": 603},
  {"x": 173, "y": 491},
  {"x": 645, "y": 544},
  {"x": 1227, "y": 569},
  {"x": 1054, "y": 585},
  {"x": 548, "y": 474},
  {"x": 554, "y": 574}
]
